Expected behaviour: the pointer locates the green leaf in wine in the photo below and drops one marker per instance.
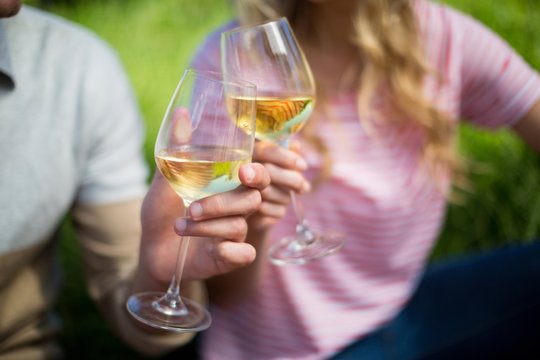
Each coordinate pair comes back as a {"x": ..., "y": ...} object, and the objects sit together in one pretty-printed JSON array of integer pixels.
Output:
[{"x": 223, "y": 168}]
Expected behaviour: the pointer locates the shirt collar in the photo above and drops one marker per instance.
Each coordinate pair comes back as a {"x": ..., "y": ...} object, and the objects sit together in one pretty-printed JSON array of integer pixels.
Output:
[{"x": 6, "y": 74}]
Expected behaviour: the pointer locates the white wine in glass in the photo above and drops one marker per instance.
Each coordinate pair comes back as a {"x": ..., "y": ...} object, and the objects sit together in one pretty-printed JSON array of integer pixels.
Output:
[
  {"x": 202, "y": 143},
  {"x": 269, "y": 56}
]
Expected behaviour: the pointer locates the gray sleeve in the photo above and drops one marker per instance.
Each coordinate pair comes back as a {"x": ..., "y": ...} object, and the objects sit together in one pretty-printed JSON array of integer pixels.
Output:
[{"x": 112, "y": 134}]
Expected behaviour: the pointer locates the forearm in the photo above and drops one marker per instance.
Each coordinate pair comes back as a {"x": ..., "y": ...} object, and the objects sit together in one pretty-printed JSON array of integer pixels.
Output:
[
  {"x": 109, "y": 237},
  {"x": 528, "y": 127}
]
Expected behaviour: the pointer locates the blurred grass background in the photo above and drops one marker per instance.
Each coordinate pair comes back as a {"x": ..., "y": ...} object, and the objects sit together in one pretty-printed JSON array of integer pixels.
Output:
[{"x": 155, "y": 40}]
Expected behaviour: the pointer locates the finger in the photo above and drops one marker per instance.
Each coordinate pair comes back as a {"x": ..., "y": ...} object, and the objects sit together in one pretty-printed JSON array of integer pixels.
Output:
[
  {"x": 231, "y": 228},
  {"x": 273, "y": 210},
  {"x": 275, "y": 195},
  {"x": 181, "y": 127},
  {"x": 296, "y": 146},
  {"x": 241, "y": 201},
  {"x": 265, "y": 152},
  {"x": 229, "y": 255},
  {"x": 262, "y": 222},
  {"x": 254, "y": 175},
  {"x": 289, "y": 179}
]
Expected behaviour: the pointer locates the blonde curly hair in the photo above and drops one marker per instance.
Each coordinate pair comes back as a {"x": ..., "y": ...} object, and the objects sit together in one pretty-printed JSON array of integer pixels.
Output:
[{"x": 392, "y": 56}]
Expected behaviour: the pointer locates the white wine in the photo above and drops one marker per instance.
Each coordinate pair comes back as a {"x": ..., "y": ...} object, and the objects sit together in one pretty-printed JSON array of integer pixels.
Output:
[
  {"x": 195, "y": 172},
  {"x": 278, "y": 117}
]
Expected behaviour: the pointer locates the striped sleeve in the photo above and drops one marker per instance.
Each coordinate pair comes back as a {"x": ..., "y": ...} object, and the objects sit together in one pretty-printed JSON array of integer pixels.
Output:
[{"x": 498, "y": 87}]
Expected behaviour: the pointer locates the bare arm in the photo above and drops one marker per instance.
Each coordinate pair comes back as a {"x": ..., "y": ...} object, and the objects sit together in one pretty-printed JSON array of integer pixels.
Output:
[
  {"x": 110, "y": 238},
  {"x": 528, "y": 127}
]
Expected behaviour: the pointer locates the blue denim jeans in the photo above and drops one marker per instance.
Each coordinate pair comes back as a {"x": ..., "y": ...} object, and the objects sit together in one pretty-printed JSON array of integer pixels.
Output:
[{"x": 485, "y": 306}]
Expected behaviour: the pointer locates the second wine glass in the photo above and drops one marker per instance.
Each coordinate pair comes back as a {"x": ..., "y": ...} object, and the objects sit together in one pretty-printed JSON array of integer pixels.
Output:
[
  {"x": 269, "y": 56},
  {"x": 202, "y": 142}
]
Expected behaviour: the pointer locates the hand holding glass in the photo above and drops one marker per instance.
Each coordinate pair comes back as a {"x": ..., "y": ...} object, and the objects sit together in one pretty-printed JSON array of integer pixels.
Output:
[
  {"x": 269, "y": 56},
  {"x": 202, "y": 143}
]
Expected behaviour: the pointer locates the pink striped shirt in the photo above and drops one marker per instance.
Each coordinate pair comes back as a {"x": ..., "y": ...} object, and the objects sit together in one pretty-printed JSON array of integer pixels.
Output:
[{"x": 390, "y": 213}]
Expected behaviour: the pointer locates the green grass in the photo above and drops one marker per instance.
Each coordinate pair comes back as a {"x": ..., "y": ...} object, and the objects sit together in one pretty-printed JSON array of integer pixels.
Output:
[
  {"x": 505, "y": 204},
  {"x": 155, "y": 40}
]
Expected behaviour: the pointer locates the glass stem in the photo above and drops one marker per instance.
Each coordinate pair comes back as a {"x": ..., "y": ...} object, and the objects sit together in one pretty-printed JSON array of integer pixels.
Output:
[
  {"x": 171, "y": 303},
  {"x": 297, "y": 207},
  {"x": 303, "y": 234}
]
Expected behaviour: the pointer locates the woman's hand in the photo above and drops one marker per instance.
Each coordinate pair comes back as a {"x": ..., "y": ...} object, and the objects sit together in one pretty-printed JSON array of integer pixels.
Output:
[
  {"x": 217, "y": 223},
  {"x": 285, "y": 167}
]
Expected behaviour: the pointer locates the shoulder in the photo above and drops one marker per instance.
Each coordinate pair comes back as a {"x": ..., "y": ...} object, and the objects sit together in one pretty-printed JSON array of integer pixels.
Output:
[
  {"x": 52, "y": 30},
  {"x": 39, "y": 39},
  {"x": 450, "y": 37},
  {"x": 438, "y": 20}
]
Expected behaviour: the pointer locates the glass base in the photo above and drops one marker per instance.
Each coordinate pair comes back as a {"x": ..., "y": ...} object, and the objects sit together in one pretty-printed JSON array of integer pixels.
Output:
[
  {"x": 146, "y": 308},
  {"x": 292, "y": 250}
]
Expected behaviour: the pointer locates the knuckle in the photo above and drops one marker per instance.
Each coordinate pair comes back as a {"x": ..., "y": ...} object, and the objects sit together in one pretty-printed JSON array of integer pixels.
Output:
[
  {"x": 220, "y": 260},
  {"x": 262, "y": 151},
  {"x": 238, "y": 228},
  {"x": 266, "y": 194},
  {"x": 253, "y": 201},
  {"x": 219, "y": 205},
  {"x": 255, "y": 198},
  {"x": 273, "y": 210},
  {"x": 281, "y": 211},
  {"x": 270, "y": 168},
  {"x": 298, "y": 182},
  {"x": 292, "y": 161}
]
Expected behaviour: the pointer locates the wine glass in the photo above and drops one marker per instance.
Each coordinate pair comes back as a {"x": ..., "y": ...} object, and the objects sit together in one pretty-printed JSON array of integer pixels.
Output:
[
  {"x": 204, "y": 138},
  {"x": 269, "y": 56}
]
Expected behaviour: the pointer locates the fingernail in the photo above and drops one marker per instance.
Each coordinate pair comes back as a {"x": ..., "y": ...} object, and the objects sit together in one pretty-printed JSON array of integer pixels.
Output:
[
  {"x": 181, "y": 225},
  {"x": 301, "y": 164},
  {"x": 249, "y": 173},
  {"x": 195, "y": 210}
]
